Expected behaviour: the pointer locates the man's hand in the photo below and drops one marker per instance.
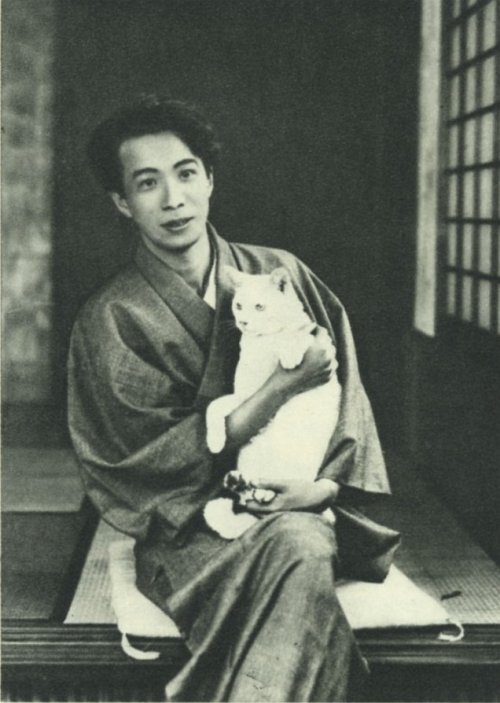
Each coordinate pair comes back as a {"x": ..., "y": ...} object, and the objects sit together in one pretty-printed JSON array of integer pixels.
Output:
[
  {"x": 315, "y": 369},
  {"x": 256, "y": 411},
  {"x": 295, "y": 495}
]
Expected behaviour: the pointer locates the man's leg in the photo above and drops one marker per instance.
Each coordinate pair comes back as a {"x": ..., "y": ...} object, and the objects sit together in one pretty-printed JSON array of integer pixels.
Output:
[{"x": 273, "y": 629}]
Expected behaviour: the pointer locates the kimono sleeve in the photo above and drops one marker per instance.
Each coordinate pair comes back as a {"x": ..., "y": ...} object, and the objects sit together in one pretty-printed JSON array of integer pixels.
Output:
[
  {"x": 137, "y": 429},
  {"x": 354, "y": 457}
]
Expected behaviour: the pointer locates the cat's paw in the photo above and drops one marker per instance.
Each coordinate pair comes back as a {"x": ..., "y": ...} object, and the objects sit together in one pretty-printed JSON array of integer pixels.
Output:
[{"x": 291, "y": 357}]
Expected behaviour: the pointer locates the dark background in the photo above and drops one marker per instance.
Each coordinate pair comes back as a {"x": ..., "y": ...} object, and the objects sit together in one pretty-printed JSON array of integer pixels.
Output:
[{"x": 316, "y": 106}]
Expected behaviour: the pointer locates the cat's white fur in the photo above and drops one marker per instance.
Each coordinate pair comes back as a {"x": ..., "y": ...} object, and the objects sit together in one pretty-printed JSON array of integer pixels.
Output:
[{"x": 275, "y": 329}]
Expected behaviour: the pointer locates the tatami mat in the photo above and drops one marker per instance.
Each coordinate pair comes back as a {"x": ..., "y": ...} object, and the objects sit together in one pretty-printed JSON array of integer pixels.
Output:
[
  {"x": 437, "y": 554},
  {"x": 92, "y": 600}
]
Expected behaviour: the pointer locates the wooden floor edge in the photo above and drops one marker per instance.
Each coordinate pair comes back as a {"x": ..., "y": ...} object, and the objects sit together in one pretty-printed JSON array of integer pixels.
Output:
[{"x": 98, "y": 646}]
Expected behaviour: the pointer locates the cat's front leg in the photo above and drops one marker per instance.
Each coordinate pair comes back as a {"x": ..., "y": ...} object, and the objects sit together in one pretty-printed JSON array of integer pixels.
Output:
[{"x": 216, "y": 414}]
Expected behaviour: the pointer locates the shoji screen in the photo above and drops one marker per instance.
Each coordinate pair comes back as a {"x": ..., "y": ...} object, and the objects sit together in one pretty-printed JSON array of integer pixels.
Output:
[{"x": 471, "y": 206}]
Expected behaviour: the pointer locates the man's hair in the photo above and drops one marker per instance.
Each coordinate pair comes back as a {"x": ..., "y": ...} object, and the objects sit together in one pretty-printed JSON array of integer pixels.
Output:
[{"x": 149, "y": 115}]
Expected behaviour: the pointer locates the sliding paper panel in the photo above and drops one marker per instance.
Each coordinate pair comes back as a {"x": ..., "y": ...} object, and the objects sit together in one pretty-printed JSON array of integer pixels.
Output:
[
  {"x": 451, "y": 306},
  {"x": 490, "y": 26},
  {"x": 487, "y": 138},
  {"x": 485, "y": 249},
  {"x": 452, "y": 245},
  {"x": 488, "y": 87},
  {"x": 485, "y": 304},
  {"x": 467, "y": 298},
  {"x": 486, "y": 193}
]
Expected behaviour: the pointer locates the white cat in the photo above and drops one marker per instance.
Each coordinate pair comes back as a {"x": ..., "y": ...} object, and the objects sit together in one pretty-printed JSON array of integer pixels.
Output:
[{"x": 275, "y": 329}]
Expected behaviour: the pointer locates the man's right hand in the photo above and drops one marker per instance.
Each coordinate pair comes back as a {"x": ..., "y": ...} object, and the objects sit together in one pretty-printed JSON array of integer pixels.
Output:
[
  {"x": 256, "y": 411},
  {"x": 315, "y": 369}
]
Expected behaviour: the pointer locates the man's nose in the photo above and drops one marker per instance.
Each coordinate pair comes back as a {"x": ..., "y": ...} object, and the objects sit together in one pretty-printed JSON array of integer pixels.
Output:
[{"x": 172, "y": 196}]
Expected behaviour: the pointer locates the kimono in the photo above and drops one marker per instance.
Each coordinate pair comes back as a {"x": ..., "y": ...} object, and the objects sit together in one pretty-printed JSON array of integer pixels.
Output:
[{"x": 259, "y": 614}]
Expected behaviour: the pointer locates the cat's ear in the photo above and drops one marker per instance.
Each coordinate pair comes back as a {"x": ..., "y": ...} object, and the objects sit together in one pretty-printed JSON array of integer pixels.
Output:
[
  {"x": 280, "y": 278},
  {"x": 235, "y": 277}
]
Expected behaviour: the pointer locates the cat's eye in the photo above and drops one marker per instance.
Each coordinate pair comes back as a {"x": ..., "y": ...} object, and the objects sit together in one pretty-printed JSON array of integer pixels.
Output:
[
  {"x": 260, "y": 307},
  {"x": 238, "y": 306}
]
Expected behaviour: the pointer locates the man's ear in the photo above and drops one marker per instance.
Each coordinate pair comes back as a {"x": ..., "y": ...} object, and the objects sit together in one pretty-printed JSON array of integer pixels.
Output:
[
  {"x": 121, "y": 204},
  {"x": 280, "y": 278},
  {"x": 211, "y": 182}
]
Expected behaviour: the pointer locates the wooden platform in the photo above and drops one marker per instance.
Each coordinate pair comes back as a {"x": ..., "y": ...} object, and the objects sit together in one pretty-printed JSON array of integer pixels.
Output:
[{"x": 46, "y": 660}]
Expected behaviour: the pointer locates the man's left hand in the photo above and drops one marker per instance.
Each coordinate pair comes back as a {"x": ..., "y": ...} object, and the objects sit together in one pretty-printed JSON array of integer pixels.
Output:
[{"x": 295, "y": 495}]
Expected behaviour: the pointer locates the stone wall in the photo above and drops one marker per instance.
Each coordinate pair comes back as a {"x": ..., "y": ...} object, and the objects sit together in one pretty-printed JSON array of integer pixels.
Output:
[{"x": 27, "y": 92}]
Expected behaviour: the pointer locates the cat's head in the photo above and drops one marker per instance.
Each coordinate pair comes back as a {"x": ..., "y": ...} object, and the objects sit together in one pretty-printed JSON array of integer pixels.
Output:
[{"x": 264, "y": 303}]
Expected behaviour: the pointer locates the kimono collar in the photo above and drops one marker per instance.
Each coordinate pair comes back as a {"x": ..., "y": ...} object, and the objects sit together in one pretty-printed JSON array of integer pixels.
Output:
[
  {"x": 224, "y": 342},
  {"x": 214, "y": 330},
  {"x": 194, "y": 313}
]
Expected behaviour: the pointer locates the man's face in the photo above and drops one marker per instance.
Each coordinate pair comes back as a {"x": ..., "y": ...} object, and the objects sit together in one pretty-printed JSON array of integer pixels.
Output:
[{"x": 166, "y": 192}]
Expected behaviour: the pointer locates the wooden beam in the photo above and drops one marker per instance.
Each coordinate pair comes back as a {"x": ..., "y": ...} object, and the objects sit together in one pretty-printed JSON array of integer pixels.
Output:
[{"x": 428, "y": 169}]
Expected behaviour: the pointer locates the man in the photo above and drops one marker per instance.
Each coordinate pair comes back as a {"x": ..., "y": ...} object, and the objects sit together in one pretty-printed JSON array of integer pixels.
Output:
[{"x": 149, "y": 352}]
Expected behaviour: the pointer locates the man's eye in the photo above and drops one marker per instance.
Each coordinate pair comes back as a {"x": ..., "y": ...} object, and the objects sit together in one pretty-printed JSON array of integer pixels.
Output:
[
  {"x": 238, "y": 306},
  {"x": 260, "y": 307},
  {"x": 187, "y": 173},
  {"x": 147, "y": 183}
]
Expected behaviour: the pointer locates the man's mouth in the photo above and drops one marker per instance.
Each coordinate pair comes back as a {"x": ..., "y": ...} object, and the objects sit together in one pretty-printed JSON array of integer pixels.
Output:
[{"x": 177, "y": 225}]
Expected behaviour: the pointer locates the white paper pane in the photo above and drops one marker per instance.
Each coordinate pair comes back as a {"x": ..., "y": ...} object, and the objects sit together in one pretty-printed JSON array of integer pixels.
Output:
[
  {"x": 485, "y": 304},
  {"x": 487, "y": 132},
  {"x": 486, "y": 193},
  {"x": 452, "y": 196},
  {"x": 457, "y": 5},
  {"x": 455, "y": 48},
  {"x": 467, "y": 298},
  {"x": 454, "y": 97},
  {"x": 485, "y": 248},
  {"x": 470, "y": 89},
  {"x": 468, "y": 203},
  {"x": 451, "y": 255},
  {"x": 488, "y": 96},
  {"x": 489, "y": 27},
  {"x": 451, "y": 287},
  {"x": 471, "y": 37},
  {"x": 453, "y": 146},
  {"x": 467, "y": 246},
  {"x": 470, "y": 142}
]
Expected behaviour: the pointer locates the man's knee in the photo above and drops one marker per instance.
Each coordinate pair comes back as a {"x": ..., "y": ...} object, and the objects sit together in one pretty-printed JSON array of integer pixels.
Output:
[{"x": 303, "y": 536}]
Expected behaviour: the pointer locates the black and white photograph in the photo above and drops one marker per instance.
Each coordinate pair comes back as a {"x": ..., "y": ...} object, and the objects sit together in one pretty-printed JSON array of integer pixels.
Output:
[{"x": 250, "y": 350}]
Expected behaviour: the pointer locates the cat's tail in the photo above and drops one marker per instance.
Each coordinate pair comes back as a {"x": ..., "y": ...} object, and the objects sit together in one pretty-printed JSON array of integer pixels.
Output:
[{"x": 220, "y": 517}]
